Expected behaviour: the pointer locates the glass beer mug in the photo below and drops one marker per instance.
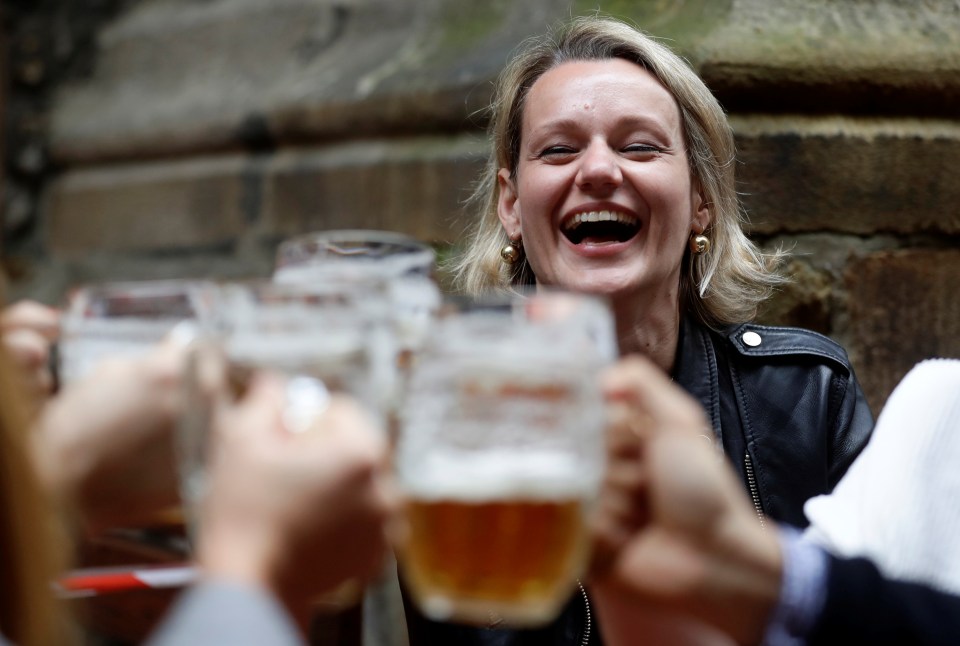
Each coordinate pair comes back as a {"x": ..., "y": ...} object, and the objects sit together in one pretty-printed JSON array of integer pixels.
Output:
[
  {"x": 500, "y": 455},
  {"x": 126, "y": 319},
  {"x": 324, "y": 339},
  {"x": 403, "y": 264}
]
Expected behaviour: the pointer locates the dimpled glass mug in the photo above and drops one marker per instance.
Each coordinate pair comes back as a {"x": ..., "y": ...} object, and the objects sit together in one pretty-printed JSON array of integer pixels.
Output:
[
  {"x": 404, "y": 264},
  {"x": 501, "y": 454},
  {"x": 324, "y": 339},
  {"x": 405, "y": 267},
  {"x": 126, "y": 319}
]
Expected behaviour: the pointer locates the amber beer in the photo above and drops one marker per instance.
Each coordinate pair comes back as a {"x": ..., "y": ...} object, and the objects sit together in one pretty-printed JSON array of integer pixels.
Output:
[
  {"x": 496, "y": 506},
  {"x": 517, "y": 559}
]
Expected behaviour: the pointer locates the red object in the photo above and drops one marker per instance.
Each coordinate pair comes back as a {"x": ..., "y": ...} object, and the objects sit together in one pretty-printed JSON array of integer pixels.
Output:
[{"x": 97, "y": 581}]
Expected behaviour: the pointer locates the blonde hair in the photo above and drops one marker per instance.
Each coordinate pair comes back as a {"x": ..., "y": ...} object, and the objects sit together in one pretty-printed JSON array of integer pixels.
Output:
[
  {"x": 31, "y": 535},
  {"x": 725, "y": 285}
]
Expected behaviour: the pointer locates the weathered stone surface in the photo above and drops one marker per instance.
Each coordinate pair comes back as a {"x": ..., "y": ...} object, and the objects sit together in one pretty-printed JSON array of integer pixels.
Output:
[
  {"x": 804, "y": 302},
  {"x": 903, "y": 308},
  {"x": 415, "y": 186},
  {"x": 862, "y": 176},
  {"x": 180, "y": 76},
  {"x": 177, "y": 76},
  {"x": 867, "y": 56},
  {"x": 157, "y": 206}
]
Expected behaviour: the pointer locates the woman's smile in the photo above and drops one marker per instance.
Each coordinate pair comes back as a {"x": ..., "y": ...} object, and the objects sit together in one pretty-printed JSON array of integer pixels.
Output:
[{"x": 600, "y": 227}]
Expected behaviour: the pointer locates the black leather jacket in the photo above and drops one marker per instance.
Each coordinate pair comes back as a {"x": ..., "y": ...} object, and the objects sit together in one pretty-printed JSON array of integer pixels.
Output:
[
  {"x": 790, "y": 415},
  {"x": 785, "y": 404}
]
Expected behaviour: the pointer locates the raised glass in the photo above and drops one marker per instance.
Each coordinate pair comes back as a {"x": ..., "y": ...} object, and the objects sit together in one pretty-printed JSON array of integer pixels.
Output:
[
  {"x": 501, "y": 454},
  {"x": 405, "y": 267},
  {"x": 324, "y": 338},
  {"x": 404, "y": 264},
  {"x": 123, "y": 319}
]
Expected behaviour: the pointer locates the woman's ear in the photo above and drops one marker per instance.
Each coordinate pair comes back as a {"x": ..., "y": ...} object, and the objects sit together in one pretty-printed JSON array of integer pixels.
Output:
[
  {"x": 702, "y": 211},
  {"x": 508, "y": 207}
]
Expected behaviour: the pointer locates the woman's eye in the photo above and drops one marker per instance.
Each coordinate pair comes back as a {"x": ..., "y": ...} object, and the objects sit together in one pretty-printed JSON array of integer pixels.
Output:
[
  {"x": 641, "y": 148},
  {"x": 555, "y": 151}
]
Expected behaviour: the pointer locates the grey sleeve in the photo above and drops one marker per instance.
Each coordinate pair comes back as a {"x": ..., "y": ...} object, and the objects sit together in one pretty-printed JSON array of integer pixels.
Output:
[{"x": 218, "y": 612}]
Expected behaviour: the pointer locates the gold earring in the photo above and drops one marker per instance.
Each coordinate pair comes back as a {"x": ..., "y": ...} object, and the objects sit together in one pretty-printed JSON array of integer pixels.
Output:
[
  {"x": 510, "y": 253},
  {"x": 699, "y": 244}
]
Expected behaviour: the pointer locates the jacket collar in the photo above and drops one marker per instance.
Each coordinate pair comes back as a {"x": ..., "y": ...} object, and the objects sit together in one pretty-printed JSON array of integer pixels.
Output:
[{"x": 695, "y": 369}]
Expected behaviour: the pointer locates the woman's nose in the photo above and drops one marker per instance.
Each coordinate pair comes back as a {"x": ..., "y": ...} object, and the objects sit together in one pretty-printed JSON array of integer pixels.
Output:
[{"x": 599, "y": 168}]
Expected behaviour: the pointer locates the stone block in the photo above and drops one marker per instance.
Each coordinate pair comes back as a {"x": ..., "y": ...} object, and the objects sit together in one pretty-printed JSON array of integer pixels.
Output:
[
  {"x": 823, "y": 56},
  {"x": 804, "y": 301},
  {"x": 860, "y": 176},
  {"x": 188, "y": 76},
  {"x": 148, "y": 207},
  {"x": 903, "y": 308},
  {"x": 416, "y": 186}
]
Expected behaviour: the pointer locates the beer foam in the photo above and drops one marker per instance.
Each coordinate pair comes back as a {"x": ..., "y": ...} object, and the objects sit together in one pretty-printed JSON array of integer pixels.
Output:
[{"x": 499, "y": 475}]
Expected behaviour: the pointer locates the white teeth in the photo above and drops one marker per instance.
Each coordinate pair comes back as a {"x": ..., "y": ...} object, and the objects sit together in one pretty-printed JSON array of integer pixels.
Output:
[{"x": 600, "y": 216}]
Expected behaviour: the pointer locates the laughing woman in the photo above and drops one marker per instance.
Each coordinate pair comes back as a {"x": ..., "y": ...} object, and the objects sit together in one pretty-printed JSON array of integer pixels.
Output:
[{"x": 612, "y": 172}]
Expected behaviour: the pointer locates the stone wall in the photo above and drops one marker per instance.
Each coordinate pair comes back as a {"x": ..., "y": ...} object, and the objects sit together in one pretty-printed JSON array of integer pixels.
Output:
[{"x": 186, "y": 137}]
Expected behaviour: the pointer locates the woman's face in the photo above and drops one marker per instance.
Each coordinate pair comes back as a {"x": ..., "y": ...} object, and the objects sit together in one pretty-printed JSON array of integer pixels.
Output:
[{"x": 602, "y": 196}]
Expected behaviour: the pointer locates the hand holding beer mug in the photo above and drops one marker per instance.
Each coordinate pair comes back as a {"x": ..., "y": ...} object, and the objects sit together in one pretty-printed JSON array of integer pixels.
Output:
[
  {"x": 405, "y": 267},
  {"x": 500, "y": 456},
  {"x": 323, "y": 339},
  {"x": 121, "y": 396}
]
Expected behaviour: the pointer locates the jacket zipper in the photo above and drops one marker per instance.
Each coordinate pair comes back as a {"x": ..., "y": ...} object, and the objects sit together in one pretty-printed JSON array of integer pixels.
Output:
[
  {"x": 754, "y": 492},
  {"x": 587, "y": 629}
]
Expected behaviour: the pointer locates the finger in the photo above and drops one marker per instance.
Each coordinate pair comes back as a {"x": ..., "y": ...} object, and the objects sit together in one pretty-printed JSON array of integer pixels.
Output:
[
  {"x": 32, "y": 315},
  {"x": 27, "y": 348},
  {"x": 346, "y": 421},
  {"x": 613, "y": 525},
  {"x": 627, "y": 429}
]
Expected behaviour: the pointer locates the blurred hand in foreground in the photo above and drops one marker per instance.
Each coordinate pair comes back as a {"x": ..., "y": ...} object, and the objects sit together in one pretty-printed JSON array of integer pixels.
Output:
[
  {"x": 29, "y": 330},
  {"x": 106, "y": 443},
  {"x": 296, "y": 514},
  {"x": 675, "y": 532}
]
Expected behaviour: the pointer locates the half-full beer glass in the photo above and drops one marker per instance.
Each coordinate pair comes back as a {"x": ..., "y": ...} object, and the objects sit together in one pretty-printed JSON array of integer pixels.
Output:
[{"x": 501, "y": 454}]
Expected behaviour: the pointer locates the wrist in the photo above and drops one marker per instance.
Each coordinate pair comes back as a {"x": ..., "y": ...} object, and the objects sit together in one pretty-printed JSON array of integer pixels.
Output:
[
  {"x": 747, "y": 574},
  {"x": 237, "y": 552},
  {"x": 801, "y": 596}
]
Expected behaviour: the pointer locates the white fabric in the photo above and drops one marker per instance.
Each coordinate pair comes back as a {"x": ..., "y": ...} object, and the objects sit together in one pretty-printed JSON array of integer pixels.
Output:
[
  {"x": 228, "y": 613},
  {"x": 899, "y": 503}
]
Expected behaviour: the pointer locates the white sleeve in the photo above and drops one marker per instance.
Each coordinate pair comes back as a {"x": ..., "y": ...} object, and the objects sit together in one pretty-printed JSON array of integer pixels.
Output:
[
  {"x": 896, "y": 505},
  {"x": 217, "y": 612}
]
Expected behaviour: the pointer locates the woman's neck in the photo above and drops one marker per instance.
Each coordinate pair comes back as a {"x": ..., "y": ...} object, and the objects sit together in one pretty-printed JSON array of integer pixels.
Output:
[{"x": 650, "y": 329}]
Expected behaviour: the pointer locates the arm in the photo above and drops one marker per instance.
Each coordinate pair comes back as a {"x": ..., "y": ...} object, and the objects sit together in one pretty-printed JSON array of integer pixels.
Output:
[{"x": 863, "y": 607}]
